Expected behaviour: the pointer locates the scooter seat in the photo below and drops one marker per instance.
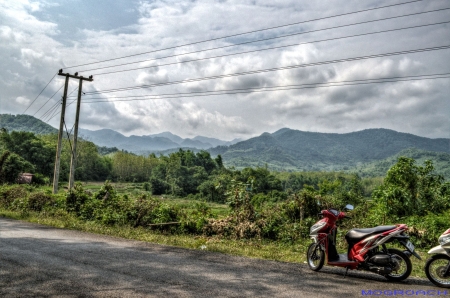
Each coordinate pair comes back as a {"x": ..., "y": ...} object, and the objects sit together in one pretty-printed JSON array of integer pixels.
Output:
[{"x": 355, "y": 235}]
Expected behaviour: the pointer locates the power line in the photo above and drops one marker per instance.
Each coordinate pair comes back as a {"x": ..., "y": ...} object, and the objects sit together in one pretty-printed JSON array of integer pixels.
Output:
[
  {"x": 54, "y": 106},
  {"x": 49, "y": 111},
  {"x": 55, "y": 113},
  {"x": 266, "y": 39},
  {"x": 48, "y": 100},
  {"x": 39, "y": 94},
  {"x": 271, "y": 48},
  {"x": 254, "y": 31},
  {"x": 273, "y": 69},
  {"x": 283, "y": 88},
  {"x": 276, "y": 88}
]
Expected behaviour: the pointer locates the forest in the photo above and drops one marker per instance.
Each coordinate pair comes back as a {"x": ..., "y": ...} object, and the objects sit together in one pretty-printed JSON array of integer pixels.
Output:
[{"x": 261, "y": 204}]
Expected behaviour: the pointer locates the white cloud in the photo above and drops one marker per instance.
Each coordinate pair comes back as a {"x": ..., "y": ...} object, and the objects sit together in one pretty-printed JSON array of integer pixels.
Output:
[
  {"x": 22, "y": 100},
  {"x": 33, "y": 49}
]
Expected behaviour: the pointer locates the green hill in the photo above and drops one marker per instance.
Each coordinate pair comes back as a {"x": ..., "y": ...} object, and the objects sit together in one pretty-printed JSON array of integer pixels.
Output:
[
  {"x": 25, "y": 123},
  {"x": 295, "y": 150},
  {"x": 441, "y": 162}
]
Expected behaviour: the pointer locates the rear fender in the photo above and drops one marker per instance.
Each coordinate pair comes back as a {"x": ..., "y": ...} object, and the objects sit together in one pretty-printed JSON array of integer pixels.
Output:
[
  {"x": 403, "y": 239},
  {"x": 399, "y": 238}
]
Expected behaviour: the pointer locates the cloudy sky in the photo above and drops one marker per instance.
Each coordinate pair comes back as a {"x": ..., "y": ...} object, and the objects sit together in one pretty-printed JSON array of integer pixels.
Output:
[{"x": 37, "y": 38}]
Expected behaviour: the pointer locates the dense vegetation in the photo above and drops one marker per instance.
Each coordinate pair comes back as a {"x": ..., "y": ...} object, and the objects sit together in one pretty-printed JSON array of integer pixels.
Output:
[
  {"x": 440, "y": 160},
  {"x": 26, "y": 152},
  {"x": 261, "y": 204}
]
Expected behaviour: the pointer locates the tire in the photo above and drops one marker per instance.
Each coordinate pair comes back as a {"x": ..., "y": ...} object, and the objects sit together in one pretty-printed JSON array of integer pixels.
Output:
[
  {"x": 404, "y": 266},
  {"x": 315, "y": 257},
  {"x": 433, "y": 270}
]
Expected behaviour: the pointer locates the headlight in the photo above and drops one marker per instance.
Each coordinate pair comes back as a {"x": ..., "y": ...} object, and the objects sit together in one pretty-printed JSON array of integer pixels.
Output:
[
  {"x": 444, "y": 239},
  {"x": 317, "y": 227}
]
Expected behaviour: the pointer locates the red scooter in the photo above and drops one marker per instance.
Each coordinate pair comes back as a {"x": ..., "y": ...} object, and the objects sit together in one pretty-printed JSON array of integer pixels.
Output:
[{"x": 366, "y": 247}]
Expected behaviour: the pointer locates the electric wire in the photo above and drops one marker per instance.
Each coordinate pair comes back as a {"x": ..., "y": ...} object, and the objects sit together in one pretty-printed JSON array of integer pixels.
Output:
[
  {"x": 271, "y": 69},
  {"x": 272, "y": 88},
  {"x": 55, "y": 113},
  {"x": 54, "y": 106},
  {"x": 39, "y": 94},
  {"x": 49, "y": 112},
  {"x": 272, "y": 48},
  {"x": 266, "y": 39},
  {"x": 48, "y": 100},
  {"x": 239, "y": 34}
]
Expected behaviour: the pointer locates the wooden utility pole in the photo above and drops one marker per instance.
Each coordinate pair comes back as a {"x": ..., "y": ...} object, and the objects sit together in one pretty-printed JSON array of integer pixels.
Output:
[
  {"x": 58, "y": 148},
  {"x": 73, "y": 160},
  {"x": 61, "y": 127}
]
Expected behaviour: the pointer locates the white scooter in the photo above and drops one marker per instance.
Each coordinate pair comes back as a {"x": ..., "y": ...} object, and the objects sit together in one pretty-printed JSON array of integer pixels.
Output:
[{"x": 437, "y": 268}]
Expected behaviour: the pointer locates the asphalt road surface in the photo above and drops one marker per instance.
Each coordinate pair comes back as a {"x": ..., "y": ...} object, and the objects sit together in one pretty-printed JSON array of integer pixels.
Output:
[{"x": 39, "y": 261}]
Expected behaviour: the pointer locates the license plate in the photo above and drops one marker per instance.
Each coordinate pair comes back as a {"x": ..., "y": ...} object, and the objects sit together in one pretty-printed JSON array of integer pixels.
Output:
[{"x": 410, "y": 246}]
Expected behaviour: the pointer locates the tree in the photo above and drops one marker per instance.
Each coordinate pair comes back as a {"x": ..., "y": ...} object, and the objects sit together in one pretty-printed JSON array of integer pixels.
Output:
[
  {"x": 31, "y": 148},
  {"x": 11, "y": 165},
  {"x": 263, "y": 180},
  {"x": 409, "y": 189}
]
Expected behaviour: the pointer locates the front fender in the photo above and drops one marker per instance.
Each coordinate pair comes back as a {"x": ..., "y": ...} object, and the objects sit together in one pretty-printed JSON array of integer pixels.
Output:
[{"x": 438, "y": 250}]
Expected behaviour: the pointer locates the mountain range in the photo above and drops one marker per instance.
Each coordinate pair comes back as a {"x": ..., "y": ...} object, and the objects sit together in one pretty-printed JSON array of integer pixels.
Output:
[
  {"x": 149, "y": 143},
  {"x": 368, "y": 152},
  {"x": 110, "y": 138},
  {"x": 288, "y": 149}
]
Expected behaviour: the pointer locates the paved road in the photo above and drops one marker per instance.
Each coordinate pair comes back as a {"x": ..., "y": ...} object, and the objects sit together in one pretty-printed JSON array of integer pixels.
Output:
[{"x": 39, "y": 261}]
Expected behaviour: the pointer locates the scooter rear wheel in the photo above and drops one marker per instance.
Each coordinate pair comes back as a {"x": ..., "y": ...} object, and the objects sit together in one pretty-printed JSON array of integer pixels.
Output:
[
  {"x": 404, "y": 266},
  {"x": 434, "y": 269},
  {"x": 315, "y": 257}
]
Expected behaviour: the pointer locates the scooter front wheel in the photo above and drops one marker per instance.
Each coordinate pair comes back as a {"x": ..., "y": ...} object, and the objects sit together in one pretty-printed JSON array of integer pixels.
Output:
[
  {"x": 315, "y": 257},
  {"x": 435, "y": 270}
]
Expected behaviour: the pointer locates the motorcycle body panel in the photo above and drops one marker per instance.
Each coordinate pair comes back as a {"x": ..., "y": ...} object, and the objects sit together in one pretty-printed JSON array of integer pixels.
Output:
[{"x": 438, "y": 250}]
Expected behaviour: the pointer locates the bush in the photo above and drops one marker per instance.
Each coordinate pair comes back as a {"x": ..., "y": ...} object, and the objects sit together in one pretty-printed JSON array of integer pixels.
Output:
[
  {"x": 425, "y": 230},
  {"x": 195, "y": 220},
  {"x": 10, "y": 193},
  {"x": 40, "y": 179},
  {"x": 76, "y": 198},
  {"x": 147, "y": 186},
  {"x": 38, "y": 200}
]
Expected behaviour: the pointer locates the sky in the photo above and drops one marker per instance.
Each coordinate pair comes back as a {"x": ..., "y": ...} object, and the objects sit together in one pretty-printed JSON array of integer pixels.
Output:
[{"x": 153, "y": 42}]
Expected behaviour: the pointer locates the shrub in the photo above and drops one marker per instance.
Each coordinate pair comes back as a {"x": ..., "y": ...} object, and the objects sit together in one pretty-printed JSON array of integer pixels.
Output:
[
  {"x": 38, "y": 200},
  {"x": 195, "y": 220},
  {"x": 425, "y": 230},
  {"x": 10, "y": 193},
  {"x": 147, "y": 186},
  {"x": 40, "y": 179},
  {"x": 76, "y": 198}
]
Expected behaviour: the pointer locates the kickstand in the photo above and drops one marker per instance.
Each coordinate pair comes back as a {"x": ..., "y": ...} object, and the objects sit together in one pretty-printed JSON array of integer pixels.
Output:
[{"x": 346, "y": 271}]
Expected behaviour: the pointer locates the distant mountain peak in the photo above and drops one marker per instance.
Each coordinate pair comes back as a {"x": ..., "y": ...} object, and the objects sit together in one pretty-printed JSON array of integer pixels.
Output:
[
  {"x": 281, "y": 131},
  {"x": 167, "y": 134}
]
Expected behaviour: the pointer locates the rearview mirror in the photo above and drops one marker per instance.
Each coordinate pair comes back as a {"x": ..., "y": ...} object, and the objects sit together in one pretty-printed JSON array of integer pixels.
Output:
[{"x": 349, "y": 207}]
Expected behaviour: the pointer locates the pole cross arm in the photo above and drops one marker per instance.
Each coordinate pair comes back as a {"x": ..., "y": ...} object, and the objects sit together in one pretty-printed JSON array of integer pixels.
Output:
[{"x": 75, "y": 76}]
